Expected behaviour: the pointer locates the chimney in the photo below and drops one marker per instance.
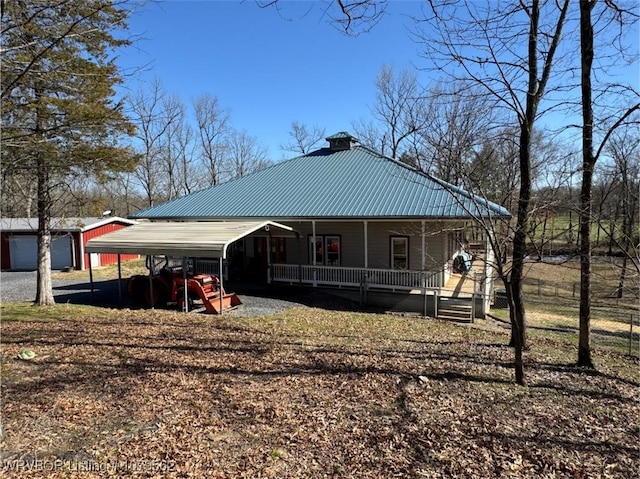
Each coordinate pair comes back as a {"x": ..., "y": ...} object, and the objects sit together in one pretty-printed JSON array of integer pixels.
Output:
[{"x": 341, "y": 141}]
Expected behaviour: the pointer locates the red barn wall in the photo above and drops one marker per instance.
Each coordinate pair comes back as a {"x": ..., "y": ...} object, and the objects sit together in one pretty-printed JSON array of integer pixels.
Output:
[{"x": 105, "y": 258}]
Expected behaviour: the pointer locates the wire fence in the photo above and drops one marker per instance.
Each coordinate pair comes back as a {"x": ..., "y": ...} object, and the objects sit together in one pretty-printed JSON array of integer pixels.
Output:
[
  {"x": 615, "y": 321},
  {"x": 571, "y": 289}
]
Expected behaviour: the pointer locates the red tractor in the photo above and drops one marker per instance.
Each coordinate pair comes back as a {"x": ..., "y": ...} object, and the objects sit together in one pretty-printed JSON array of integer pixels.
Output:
[{"x": 168, "y": 287}]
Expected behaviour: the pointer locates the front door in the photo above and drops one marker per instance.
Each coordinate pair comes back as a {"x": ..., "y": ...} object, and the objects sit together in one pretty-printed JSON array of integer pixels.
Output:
[{"x": 257, "y": 270}]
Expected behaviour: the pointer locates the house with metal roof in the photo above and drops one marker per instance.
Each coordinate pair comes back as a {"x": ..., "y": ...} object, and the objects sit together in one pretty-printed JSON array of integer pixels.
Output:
[{"x": 365, "y": 225}]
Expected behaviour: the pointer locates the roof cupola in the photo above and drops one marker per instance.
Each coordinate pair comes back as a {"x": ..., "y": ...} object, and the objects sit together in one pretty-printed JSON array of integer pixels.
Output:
[{"x": 341, "y": 141}]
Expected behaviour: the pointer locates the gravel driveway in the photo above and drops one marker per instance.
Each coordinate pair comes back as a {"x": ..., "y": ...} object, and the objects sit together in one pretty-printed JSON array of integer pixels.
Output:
[{"x": 21, "y": 286}]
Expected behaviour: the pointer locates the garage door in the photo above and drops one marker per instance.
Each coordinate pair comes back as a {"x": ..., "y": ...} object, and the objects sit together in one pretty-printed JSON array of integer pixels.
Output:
[{"x": 24, "y": 252}]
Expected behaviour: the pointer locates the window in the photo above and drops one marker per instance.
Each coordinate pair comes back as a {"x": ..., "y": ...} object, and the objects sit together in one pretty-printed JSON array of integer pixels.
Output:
[
  {"x": 327, "y": 250},
  {"x": 399, "y": 252},
  {"x": 333, "y": 250}
]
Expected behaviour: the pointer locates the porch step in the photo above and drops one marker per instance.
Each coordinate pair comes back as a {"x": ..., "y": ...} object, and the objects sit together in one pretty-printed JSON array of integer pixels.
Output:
[{"x": 455, "y": 309}]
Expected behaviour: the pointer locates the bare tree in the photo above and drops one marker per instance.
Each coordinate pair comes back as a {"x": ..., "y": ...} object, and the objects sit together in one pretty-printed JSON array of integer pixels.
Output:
[
  {"x": 610, "y": 15},
  {"x": 170, "y": 144},
  {"x": 18, "y": 191},
  {"x": 624, "y": 150},
  {"x": 459, "y": 120},
  {"x": 398, "y": 115},
  {"x": 191, "y": 176},
  {"x": 212, "y": 127},
  {"x": 303, "y": 139},
  {"x": 370, "y": 133},
  {"x": 351, "y": 16},
  {"x": 399, "y": 108},
  {"x": 122, "y": 189},
  {"x": 153, "y": 119},
  {"x": 245, "y": 154},
  {"x": 484, "y": 47}
]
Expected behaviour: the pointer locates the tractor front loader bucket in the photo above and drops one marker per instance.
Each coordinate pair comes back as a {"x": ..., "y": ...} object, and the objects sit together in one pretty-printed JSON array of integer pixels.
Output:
[
  {"x": 229, "y": 301},
  {"x": 211, "y": 298}
]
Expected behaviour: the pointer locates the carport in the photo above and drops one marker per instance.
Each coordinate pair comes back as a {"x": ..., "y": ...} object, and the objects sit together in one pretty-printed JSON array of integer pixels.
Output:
[{"x": 196, "y": 239}]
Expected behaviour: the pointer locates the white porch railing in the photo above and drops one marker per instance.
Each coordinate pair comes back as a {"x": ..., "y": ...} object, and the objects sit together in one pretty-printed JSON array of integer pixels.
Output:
[{"x": 342, "y": 276}]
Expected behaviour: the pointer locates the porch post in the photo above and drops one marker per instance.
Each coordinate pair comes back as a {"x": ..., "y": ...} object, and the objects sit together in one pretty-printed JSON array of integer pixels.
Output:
[
  {"x": 269, "y": 259},
  {"x": 366, "y": 244},
  {"x": 299, "y": 237},
  {"x": 313, "y": 252},
  {"x": 423, "y": 264},
  {"x": 423, "y": 253}
]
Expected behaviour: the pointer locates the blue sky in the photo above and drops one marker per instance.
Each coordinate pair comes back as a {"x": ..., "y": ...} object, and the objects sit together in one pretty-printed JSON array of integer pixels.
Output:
[{"x": 269, "y": 70}]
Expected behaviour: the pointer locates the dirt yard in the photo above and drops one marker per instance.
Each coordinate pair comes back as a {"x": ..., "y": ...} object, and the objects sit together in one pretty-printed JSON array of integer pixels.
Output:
[{"x": 306, "y": 393}]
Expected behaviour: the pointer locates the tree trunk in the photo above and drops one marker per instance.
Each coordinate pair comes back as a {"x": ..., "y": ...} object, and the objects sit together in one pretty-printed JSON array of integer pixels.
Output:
[
  {"x": 518, "y": 329},
  {"x": 588, "y": 162},
  {"x": 627, "y": 226},
  {"x": 621, "y": 279},
  {"x": 44, "y": 288}
]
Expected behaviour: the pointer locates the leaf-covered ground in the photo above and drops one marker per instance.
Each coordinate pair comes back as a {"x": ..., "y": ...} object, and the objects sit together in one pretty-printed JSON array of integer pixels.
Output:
[{"x": 307, "y": 393}]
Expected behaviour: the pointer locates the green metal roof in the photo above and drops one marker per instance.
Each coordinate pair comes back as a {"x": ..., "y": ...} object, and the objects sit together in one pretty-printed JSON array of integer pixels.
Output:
[
  {"x": 341, "y": 135},
  {"x": 356, "y": 183}
]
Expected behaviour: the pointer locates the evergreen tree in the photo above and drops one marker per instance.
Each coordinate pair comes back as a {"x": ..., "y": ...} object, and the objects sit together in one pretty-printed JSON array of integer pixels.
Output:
[{"x": 59, "y": 118}]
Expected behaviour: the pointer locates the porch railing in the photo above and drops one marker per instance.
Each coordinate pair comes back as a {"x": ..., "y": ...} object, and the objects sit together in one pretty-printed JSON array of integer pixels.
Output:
[{"x": 342, "y": 276}]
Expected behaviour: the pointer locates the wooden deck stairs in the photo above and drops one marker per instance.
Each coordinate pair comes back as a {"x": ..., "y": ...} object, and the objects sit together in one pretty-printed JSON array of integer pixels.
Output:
[
  {"x": 455, "y": 309},
  {"x": 455, "y": 303}
]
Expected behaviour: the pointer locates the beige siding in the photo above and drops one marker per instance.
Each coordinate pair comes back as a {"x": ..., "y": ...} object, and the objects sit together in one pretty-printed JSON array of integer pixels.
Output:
[
  {"x": 351, "y": 240},
  {"x": 379, "y": 242}
]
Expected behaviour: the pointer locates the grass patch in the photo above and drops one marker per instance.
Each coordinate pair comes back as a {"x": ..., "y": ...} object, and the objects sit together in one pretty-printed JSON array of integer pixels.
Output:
[
  {"x": 128, "y": 268},
  {"x": 551, "y": 295},
  {"x": 57, "y": 312}
]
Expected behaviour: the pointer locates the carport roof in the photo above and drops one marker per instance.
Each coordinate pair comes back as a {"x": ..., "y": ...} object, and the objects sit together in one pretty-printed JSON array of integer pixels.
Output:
[{"x": 204, "y": 239}]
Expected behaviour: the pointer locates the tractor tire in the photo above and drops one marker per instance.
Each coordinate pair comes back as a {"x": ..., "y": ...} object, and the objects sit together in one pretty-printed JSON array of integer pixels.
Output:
[
  {"x": 160, "y": 295},
  {"x": 135, "y": 290},
  {"x": 180, "y": 300}
]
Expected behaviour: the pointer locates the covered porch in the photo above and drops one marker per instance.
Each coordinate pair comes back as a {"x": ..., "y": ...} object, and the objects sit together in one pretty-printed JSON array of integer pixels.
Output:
[
  {"x": 443, "y": 293},
  {"x": 338, "y": 276}
]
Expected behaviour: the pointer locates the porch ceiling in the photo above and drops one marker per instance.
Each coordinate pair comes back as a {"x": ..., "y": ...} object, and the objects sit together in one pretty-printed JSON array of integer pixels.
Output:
[{"x": 203, "y": 239}]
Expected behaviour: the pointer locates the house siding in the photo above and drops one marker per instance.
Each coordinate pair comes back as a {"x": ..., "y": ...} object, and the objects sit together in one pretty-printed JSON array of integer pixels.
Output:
[{"x": 379, "y": 235}]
